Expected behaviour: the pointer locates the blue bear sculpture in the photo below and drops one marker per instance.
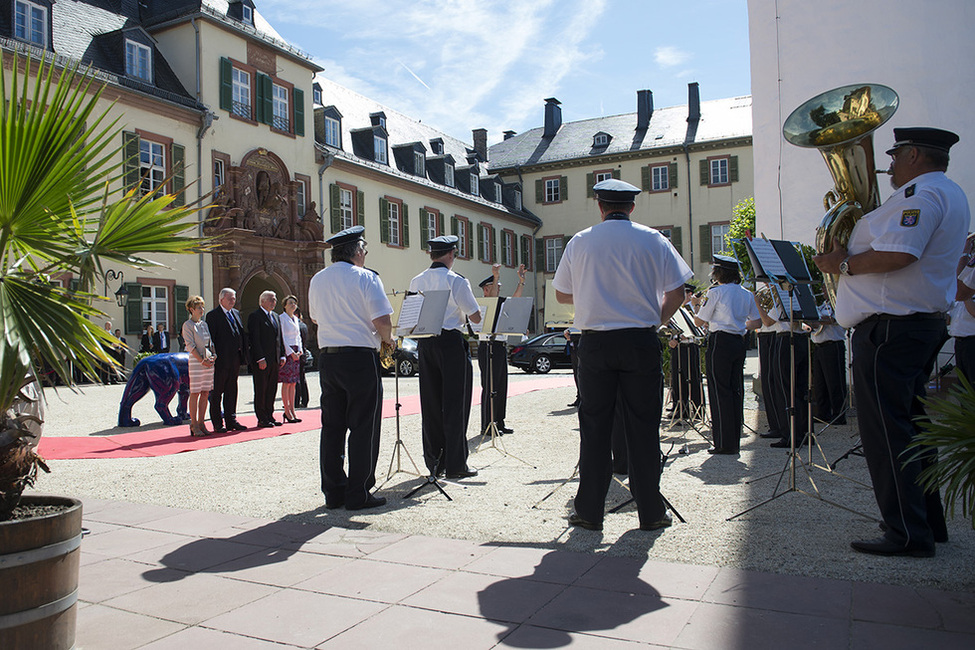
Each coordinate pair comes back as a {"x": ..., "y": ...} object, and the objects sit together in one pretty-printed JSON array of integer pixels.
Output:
[{"x": 165, "y": 375}]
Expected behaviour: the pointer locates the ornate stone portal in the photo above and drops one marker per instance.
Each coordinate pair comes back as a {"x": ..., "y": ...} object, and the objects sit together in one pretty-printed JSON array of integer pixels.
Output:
[{"x": 261, "y": 238}]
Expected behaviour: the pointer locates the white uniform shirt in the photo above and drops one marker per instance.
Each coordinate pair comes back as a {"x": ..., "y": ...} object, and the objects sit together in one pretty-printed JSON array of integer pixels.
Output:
[
  {"x": 617, "y": 272},
  {"x": 927, "y": 218},
  {"x": 728, "y": 308},
  {"x": 962, "y": 323},
  {"x": 343, "y": 300},
  {"x": 967, "y": 276},
  {"x": 831, "y": 332},
  {"x": 461, "y": 303}
]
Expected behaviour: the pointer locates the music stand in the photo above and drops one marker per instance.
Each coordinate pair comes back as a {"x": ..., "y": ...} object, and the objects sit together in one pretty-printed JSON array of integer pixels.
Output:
[
  {"x": 683, "y": 323},
  {"x": 500, "y": 316}
]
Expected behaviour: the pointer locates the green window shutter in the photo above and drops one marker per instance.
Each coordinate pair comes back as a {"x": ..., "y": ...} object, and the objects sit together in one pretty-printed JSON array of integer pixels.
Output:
[
  {"x": 265, "y": 99},
  {"x": 676, "y": 240},
  {"x": 453, "y": 225},
  {"x": 133, "y": 309},
  {"x": 539, "y": 191},
  {"x": 481, "y": 255},
  {"x": 440, "y": 230},
  {"x": 470, "y": 239},
  {"x": 360, "y": 209},
  {"x": 494, "y": 244},
  {"x": 645, "y": 178},
  {"x": 733, "y": 169},
  {"x": 590, "y": 181},
  {"x": 705, "y": 173},
  {"x": 705, "y": 234},
  {"x": 564, "y": 188},
  {"x": 383, "y": 220},
  {"x": 181, "y": 293},
  {"x": 226, "y": 85},
  {"x": 130, "y": 152},
  {"x": 526, "y": 251},
  {"x": 179, "y": 174},
  {"x": 540, "y": 254},
  {"x": 298, "y": 115},
  {"x": 335, "y": 211},
  {"x": 616, "y": 174},
  {"x": 672, "y": 175},
  {"x": 405, "y": 228}
]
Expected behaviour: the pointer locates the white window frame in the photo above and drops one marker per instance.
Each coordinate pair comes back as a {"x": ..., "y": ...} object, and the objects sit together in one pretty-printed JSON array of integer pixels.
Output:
[
  {"x": 719, "y": 174},
  {"x": 517, "y": 199},
  {"x": 316, "y": 95},
  {"x": 718, "y": 232},
  {"x": 497, "y": 193},
  {"x": 507, "y": 248},
  {"x": 155, "y": 305},
  {"x": 281, "y": 119},
  {"x": 553, "y": 253},
  {"x": 34, "y": 27},
  {"x": 431, "y": 225},
  {"x": 448, "y": 175},
  {"x": 659, "y": 178},
  {"x": 300, "y": 198},
  {"x": 600, "y": 140},
  {"x": 666, "y": 232},
  {"x": 599, "y": 177},
  {"x": 379, "y": 149},
  {"x": 488, "y": 244},
  {"x": 394, "y": 223},
  {"x": 246, "y": 14},
  {"x": 462, "y": 225},
  {"x": 152, "y": 165},
  {"x": 241, "y": 82},
  {"x": 332, "y": 132},
  {"x": 475, "y": 185},
  {"x": 419, "y": 163},
  {"x": 138, "y": 60},
  {"x": 219, "y": 174},
  {"x": 346, "y": 208},
  {"x": 553, "y": 188}
]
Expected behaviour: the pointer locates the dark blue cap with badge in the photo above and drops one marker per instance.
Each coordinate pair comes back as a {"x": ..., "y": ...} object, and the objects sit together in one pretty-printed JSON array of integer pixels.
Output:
[
  {"x": 923, "y": 136},
  {"x": 486, "y": 281},
  {"x": 614, "y": 190},
  {"x": 347, "y": 236},
  {"x": 725, "y": 262},
  {"x": 443, "y": 243}
]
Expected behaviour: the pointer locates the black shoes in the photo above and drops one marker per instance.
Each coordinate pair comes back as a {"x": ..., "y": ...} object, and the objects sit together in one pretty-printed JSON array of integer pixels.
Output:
[
  {"x": 291, "y": 420},
  {"x": 219, "y": 430},
  {"x": 372, "y": 502},
  {"x": 575, "y": 403},
  {"x": 235, "y": 426},
  {"x": 883, "y": 546},
  {"x": 505, "y": 430},
  {"x": 664, "y": 522},
  {"x": 769, "y": 434},
  {"x": 275, "y": 423},
  {"x": 723, "y": 452},
  {"x": 334, "y": 504},
  {"x": 467, "y": 473},
  {"x": 576, "y": 520},
  {"x": 266, "y": 425},
  {"x": 783, "y": 443}
]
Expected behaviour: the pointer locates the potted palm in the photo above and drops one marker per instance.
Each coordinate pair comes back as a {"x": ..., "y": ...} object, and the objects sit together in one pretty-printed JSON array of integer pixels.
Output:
[{"x": 58, "y": 219}]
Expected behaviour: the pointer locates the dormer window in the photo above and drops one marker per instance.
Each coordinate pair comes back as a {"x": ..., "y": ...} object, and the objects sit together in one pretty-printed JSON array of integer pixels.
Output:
[
  {"x": 475, "y": 189},
  {"x": 518, "y": 200},
  {"x": 600, "y": 140},
  {"x": 379, "y": 149},
  {"x": 497, "y": 192},
  {"x": 138, "y": 61},
  {"x": 378, "y": 119},
  {"x": 316, "y": 94},
  {"x": 436, "y": 147},
  {"x": 246, "y": 14},
  {"x": 332, "y": 132},
  {"x": 30, "y": 22},
  {"x": 419, "y": 163},
  {"x": 448, "y": 175}
]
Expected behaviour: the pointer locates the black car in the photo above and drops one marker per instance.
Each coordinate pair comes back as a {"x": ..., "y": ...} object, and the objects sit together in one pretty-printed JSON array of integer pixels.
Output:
[
  {"x": 406, "y": 358},
  {"x": 541, "y": 354}
]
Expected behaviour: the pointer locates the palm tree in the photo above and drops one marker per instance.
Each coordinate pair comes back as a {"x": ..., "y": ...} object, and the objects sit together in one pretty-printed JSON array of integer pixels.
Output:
[{"x": 57, "y": 217}]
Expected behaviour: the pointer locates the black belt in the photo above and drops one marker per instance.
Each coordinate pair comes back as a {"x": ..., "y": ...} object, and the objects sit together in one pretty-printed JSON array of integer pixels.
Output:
[
  {"x": 928, "y": 315},
  {"x": 792, "y": 333},
  {"x": 345, "y": 348},
  {"x": 624, "y": 330}
]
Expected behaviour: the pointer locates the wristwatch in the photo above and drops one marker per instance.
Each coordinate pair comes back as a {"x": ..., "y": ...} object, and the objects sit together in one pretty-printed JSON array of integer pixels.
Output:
[{"x": 845, "y": 267}]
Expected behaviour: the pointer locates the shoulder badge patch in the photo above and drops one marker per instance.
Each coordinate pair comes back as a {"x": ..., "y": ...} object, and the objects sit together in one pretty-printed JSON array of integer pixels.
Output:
[
  {"x": 909, "y": 218},
  {"x": 909, "y": 192}
]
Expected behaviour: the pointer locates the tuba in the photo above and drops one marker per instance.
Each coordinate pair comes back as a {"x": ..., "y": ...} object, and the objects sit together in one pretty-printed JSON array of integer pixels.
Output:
[{"x": 839, "y": 123}]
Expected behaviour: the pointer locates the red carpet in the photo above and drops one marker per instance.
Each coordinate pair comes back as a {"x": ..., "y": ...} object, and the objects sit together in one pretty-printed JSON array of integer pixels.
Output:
[{"x": 174, "y": 440}]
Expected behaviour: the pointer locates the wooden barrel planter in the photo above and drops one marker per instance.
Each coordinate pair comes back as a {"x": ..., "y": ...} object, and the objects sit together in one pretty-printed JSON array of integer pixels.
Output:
[{"x": 39, "y": 577}]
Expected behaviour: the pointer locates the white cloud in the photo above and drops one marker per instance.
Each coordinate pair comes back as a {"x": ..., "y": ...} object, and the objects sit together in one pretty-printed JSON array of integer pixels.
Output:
[{"x": 668, "y": 56}]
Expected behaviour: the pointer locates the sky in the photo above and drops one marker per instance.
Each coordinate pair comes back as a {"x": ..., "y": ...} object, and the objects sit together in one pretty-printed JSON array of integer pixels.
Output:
[{"x": 458, "y": 65}]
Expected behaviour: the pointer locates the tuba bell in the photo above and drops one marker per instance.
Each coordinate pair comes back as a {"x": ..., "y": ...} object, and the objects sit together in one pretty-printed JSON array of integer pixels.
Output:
[{"x": 840, "y": 123}]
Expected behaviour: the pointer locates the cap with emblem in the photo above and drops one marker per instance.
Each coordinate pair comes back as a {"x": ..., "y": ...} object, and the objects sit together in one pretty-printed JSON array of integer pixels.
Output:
[
  {"x": 725, "y": 262},
  {"x": 347, "y": 236},
  {"x": 443, "y": 243},
  {"x": 923, "y": 136},
  {"x": 614, "y": 190},
  {"x": 486, "y": 281}
]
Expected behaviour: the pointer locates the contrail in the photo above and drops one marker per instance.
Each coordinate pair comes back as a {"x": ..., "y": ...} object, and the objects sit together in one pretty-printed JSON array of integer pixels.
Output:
[{"x": 405, "y": 67}]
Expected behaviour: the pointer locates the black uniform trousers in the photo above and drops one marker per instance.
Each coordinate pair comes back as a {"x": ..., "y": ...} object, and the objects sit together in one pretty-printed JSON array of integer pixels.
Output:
[
  {"x": 725, "y": 359},
  {"x": 768, "y": 375},
  {"x": 497, "y": 352},
  {"x": 892, "y": 360},
  {"x": 352, "y": 395},
  {"x": 445, "y": 400},
  {"x": 685, "y": 379},
  {"x": 965, "y": 356},
  {"x": 797, "y": 378},
  {"x": 620, "y": 364},
  {"x": 829, "y": 381}
]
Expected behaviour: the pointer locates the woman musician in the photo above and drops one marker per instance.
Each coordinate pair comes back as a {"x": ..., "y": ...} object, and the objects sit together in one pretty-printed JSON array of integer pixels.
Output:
[{"x": 729, "y": 312}]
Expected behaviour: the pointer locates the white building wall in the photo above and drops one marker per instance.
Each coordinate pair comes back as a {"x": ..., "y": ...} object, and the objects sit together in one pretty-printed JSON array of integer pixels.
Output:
[{"x": 924, "y": 51}]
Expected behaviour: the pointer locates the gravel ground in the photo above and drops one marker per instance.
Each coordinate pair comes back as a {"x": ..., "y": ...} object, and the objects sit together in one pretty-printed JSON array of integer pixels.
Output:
[{"x": 522, "y": 497}]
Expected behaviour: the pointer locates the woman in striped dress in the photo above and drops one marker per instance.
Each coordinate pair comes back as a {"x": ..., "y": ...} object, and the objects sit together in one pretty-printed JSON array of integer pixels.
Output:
[{"x": 196, "y": 337}]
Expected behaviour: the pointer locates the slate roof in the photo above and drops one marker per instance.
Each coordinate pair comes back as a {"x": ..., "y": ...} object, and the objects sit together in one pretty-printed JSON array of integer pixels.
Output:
[
  {"x": 721, "y": 119},
  {"x": 402, "y": 130}
]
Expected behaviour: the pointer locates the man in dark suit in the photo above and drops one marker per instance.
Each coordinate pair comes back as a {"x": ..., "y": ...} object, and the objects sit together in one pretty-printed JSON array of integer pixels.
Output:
[
  {"x": 267, "y": 356},
  {"x": 230, "y": 346},
  {"x": 160, "y": 340}
]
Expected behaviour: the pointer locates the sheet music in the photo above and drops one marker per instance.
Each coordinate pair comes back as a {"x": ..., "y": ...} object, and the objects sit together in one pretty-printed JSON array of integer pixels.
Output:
[
  {"x": 478, "y": 328},
  {"x": 767, "y": 258},
  {"x": 433, "y": 309},
  {"x": 514, "y": 315},
  {"x": 409, "y": 314}
]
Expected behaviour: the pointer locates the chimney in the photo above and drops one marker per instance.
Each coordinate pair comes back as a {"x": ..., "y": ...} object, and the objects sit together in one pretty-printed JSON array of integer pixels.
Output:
[
  {"x": 553, "y": 117},
  {"x": 644, "y": 108},
  {"x": 693, "y": 102},
  {"x": 508, "y": 135},
  {"x": 480, "y": 143}
]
